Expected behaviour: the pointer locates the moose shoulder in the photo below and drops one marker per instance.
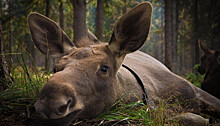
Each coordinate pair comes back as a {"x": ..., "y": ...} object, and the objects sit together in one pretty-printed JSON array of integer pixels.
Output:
[
  {"x": 90, "y": 78},
  {"x": 210, "y": 66}
]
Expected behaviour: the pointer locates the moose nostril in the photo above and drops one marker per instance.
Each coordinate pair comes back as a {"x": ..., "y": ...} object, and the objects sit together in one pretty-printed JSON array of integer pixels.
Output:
[{"x": 62, "y": 109}]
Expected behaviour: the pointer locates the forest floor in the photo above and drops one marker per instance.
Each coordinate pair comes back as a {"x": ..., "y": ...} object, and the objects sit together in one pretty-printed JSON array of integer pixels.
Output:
[
  {"x": 124, "y": 114},
  {"x": 17, "y": 111}
]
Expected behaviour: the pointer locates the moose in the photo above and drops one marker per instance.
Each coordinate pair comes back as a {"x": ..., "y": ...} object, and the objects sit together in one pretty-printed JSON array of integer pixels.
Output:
[
  {"x": 210, "y": 66},
  {"x": 90, "y": 76}
]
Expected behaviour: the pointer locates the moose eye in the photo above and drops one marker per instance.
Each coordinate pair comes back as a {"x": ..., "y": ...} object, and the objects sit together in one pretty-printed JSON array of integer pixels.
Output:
[{"x": 104, "y": 68}]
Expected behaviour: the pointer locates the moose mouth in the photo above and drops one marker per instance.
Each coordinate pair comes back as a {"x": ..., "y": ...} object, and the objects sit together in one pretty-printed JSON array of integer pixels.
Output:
[{"x": 56, "y": 122}]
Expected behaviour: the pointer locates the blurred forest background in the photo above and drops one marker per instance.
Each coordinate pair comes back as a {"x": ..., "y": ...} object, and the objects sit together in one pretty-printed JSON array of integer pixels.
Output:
[{"x": 177, "y": 25}]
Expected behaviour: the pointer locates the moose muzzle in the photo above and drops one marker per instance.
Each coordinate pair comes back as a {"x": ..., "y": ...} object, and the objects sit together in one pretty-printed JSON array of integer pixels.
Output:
[{"x": 57, "y": 100}]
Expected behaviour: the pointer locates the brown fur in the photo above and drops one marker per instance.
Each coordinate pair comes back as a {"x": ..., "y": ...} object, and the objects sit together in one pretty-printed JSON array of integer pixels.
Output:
[{"x": 83, "y": 86}]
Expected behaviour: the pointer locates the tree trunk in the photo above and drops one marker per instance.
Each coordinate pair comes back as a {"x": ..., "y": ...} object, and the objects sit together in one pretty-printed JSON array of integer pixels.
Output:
[
  {"x": 2, "y": 73},
  {"x": 196, "y": 31},
  {"x": 156, "y": 46},
  {"x": 4, "y": 70},
  {"x": 194, "y": 45},
  {"x": 47, "y": 58},
  {"x": 99, "y": 31},
  {"x": 9, "y": 42},
  {"x": 213, "y": 18},
  {"x": 61, "y": 15},
  {"x": 9, "y": 26},
  {"x": 79, "y": 26},
  {"x": 178, "y": 51},
  {"x": 47, "y": 12},
  {"x": 61, "y": 19},
  {"x": 125, "y": 7},
  {"x": 162, "y": 39},
  {"x": 168, "y": 33},
  {"x": 174, "y": 35}
]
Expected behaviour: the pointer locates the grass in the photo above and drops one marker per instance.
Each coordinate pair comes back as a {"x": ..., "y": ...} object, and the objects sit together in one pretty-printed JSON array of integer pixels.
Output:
[
  {"x": 17, "y": 102},
  {"x": 133, "y": 113},
  {"x": 136, "y": 113},
  {"x": 195, "y": 78}
]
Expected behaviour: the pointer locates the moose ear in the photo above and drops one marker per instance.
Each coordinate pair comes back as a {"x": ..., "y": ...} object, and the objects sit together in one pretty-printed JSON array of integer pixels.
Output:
[
  {"x": 131, "y": 30},
  {"x": 92, "y": 37},
  {"x": 48, "y": 37},
  {"x": 204, "y": 48}
]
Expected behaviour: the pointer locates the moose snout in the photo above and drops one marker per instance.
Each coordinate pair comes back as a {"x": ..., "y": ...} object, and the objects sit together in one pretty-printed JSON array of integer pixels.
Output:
[{"x": 53, "y": 109}]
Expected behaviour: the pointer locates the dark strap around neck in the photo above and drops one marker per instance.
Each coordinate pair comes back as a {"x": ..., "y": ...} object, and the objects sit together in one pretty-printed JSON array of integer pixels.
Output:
[{"x": 146, "y": 99}]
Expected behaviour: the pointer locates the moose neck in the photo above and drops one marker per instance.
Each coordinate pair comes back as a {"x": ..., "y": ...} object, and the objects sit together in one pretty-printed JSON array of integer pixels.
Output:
[
  {"x": 128, "y": 85},
  {"x": 214, "y": 72}
]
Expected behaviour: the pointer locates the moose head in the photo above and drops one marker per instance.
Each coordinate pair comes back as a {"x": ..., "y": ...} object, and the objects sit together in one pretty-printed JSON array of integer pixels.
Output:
[
  {"x": 87, "y": 81},
  {"x": 210, "y": 59}
]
